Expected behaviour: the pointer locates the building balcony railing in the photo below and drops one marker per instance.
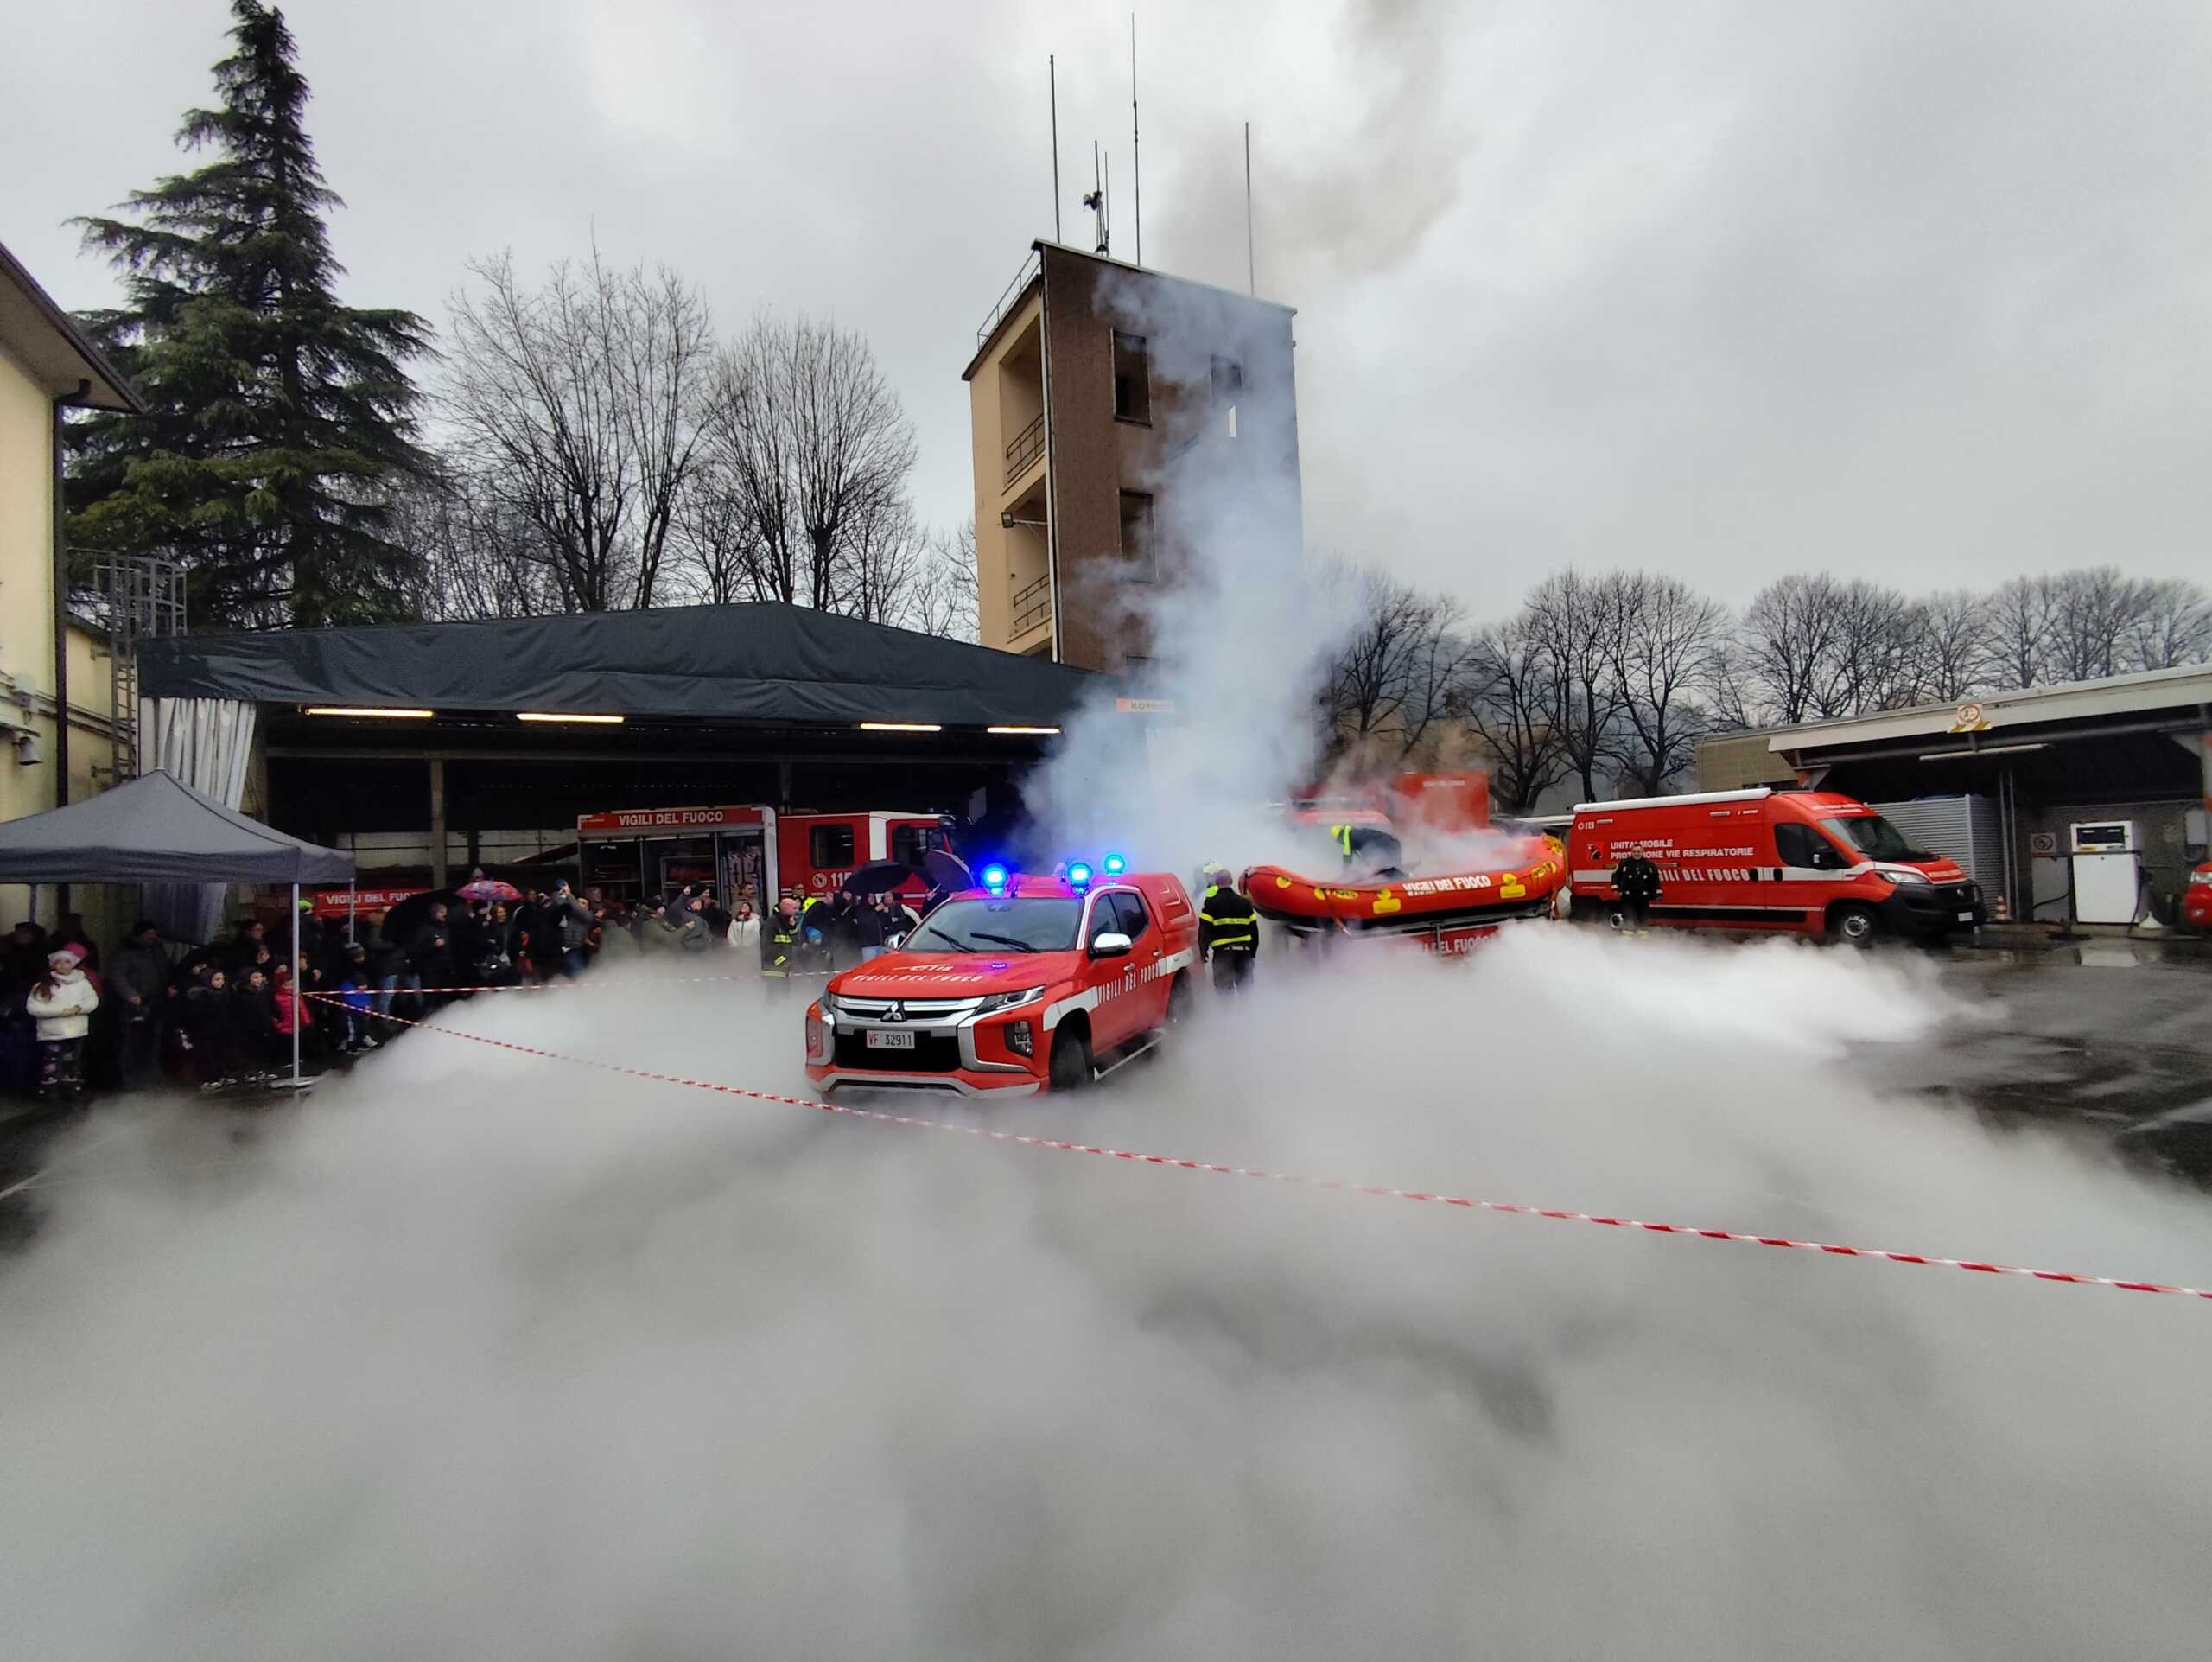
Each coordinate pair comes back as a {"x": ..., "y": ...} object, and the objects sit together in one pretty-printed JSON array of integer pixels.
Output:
[
  {"x": 1030, "y": 607},
  {"x": 1009, "y": 297},
  {"x": 1028, "y": 444}
]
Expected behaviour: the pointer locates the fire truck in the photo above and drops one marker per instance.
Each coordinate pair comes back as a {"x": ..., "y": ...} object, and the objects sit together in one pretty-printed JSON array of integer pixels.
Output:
[
  {"x": 1024, "y": 984},
  {"x": 635, "y": 852}
]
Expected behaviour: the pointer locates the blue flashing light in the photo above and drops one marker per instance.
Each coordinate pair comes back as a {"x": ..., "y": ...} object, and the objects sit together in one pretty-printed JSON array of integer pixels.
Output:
[
  {"x": 1115, "y": 865},
  {"x": 994, "y": 876},
  {"x": 1079, "y": 875}
]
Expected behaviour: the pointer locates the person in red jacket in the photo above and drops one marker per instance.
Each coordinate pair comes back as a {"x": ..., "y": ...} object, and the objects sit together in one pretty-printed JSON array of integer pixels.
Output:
[{"x": 292, "y": 1012}]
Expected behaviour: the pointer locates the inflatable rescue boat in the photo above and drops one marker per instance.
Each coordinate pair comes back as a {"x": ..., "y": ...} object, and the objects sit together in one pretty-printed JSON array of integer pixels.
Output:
[{"x": 1392, "y": 903}]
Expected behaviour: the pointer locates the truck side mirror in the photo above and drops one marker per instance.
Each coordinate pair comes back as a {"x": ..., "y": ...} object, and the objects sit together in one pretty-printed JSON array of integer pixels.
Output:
[{"x": 1110, "y": 945}]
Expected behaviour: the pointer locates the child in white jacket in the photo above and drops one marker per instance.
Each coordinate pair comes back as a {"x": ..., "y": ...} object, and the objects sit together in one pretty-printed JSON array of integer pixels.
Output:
[{"x": 62, "y": 1004}]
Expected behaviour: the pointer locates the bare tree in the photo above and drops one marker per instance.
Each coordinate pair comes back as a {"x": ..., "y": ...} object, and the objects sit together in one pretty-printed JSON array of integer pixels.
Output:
[
  {"x": 1787, "y": 644},
  {"x": 885, "y": 559},
  {"x": 1665, "y": 658},
  {"x": 2172, "y": 626},
  {"x": 2093, "y": 617},
  {"x": 1511, "y": 702},
  {"x": 1876, "y": 661},
  {"x": 1395, "y": 675},
  {"x": 2021, "y": 629},
  {"x": 472, "y": 549},
  {"x": 943, "y": 600},
  {"x": 1953, "y": 631},
  {"x": 811, "y": 451},
  {"x": 1579, "y": 619},
  {"x": 573, "y": 407}
]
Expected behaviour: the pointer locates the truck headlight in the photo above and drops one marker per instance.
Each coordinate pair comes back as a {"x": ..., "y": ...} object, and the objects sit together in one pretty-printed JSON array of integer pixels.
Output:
[
  {"x": 999, "y": 1001},
  {"x": 2201, "y": 879},
  {"x": 1903, "y": 875}
]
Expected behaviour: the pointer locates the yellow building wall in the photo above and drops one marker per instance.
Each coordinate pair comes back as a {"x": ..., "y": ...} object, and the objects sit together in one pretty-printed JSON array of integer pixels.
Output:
[{"x": 27, "y": 602}]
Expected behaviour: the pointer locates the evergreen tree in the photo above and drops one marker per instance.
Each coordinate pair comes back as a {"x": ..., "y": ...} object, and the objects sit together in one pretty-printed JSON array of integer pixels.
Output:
[{"x": 281, "y": 420}]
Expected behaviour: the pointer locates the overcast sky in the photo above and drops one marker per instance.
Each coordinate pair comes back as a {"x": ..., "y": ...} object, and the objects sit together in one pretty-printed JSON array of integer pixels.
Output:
[{"x": 1921, "y": 292}]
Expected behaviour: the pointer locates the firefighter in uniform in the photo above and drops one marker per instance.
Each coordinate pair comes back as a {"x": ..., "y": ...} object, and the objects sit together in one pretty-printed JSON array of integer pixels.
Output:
[
  {"x": 1229, "y": 931},
  {"x": 783, "y": 953},
  {"x": 1636, "y": 880}
]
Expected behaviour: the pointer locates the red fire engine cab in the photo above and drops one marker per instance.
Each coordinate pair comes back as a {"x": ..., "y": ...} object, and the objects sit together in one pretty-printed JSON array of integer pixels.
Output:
[{"x": 634, "y": 853}]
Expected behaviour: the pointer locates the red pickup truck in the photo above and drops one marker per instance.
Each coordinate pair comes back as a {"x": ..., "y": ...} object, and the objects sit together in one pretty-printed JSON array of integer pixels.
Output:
[{"x": 1026, "y": 984}]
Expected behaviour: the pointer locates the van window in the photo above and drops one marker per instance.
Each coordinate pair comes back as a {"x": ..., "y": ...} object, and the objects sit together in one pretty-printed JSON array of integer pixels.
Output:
[
  {"x": 830, "y": 848},
  {"x": 1801, "y": 846},
  {"x": 1874, "y": 836}
]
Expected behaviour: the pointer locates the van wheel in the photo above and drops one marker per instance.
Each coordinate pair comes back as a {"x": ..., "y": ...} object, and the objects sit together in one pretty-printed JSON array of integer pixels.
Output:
[
  {"x": 1854, "y": 926},
  {"x": 1070, "y": 1068}
]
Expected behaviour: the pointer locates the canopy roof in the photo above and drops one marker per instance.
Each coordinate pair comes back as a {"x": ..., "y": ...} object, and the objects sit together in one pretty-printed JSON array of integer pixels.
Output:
[
  {"x": 757, "y": 662},
  {"x": 158, "y": 829}
]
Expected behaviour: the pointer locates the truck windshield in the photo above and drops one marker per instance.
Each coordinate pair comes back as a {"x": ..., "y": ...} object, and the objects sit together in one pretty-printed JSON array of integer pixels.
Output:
[
  {"x": 1875, "y": 838},
  {"x": 1041, "y": 923}
]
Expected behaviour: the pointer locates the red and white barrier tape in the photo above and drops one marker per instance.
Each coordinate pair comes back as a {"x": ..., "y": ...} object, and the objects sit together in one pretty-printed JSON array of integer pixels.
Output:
[
  {"x": 1557, "y": 1213},
  {"x": 544, "y": 986}
]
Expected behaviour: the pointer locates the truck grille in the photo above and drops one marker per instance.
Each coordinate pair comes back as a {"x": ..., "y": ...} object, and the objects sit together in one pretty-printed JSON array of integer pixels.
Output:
[{"x": 932, "y": 1054}]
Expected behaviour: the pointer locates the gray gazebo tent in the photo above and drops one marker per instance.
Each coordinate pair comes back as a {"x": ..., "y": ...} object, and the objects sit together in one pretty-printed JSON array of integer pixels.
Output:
[{"x": 158, "y": 829}]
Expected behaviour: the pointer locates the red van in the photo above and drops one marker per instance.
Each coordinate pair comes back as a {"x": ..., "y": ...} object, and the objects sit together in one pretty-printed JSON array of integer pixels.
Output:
[{"x": 1807, "y": 862}]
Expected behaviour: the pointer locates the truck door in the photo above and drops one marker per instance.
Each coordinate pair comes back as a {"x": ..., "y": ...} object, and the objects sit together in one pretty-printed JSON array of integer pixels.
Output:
[{"x": 1149, "y": 941}]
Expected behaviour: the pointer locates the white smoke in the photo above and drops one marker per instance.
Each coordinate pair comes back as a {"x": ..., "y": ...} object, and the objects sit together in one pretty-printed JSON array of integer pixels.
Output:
[{"x": 480, "y": 1354}]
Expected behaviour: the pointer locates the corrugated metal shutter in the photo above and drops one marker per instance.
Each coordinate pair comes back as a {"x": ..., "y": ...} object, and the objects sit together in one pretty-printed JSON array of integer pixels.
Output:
[{"x": 1965, "y": 828}]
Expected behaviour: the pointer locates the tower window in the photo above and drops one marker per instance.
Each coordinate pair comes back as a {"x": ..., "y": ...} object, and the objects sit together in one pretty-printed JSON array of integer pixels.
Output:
[{"x": 1132, "y": 378}]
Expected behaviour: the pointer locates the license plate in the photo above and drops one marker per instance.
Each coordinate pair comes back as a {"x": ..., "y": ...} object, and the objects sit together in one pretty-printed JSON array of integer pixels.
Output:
[
  {"x": 885, "y": 1038},
  {"x": 1966, "y": 917}
]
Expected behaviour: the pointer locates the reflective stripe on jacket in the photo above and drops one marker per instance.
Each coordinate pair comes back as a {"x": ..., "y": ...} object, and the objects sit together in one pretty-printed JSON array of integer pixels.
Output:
[{"x": 1227, "y": 921}]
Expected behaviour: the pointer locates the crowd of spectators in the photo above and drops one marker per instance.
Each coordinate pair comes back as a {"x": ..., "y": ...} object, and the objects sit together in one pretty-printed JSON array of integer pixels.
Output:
[{"x": 227, "y": 1013}]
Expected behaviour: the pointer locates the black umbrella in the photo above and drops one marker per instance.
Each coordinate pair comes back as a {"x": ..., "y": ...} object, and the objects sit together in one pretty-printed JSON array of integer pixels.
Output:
[
  {"x": 404, "y": 917},
  {"x": 877, "y": 877},
  {"x": 946, "y": 871}
]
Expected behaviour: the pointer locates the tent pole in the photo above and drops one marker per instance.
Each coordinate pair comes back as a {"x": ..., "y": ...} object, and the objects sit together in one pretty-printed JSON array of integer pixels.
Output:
[
  {"x": 353, "y": 897},
  {"x": 299, "y": 1000}
]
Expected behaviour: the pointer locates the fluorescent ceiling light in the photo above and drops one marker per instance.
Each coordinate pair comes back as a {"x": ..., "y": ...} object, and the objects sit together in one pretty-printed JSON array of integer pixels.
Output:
[
  {"x": 365, "y": 709},
  {"x": 1981, "y": 750},
  {"x": 901, "y": 726},
  {"x": 556, "y": 715},
  {"x": 1021, "y": 729}
]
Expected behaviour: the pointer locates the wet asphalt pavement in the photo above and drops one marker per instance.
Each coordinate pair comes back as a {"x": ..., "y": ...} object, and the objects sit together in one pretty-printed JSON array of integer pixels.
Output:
[{"x": 2108, "y": 1040}]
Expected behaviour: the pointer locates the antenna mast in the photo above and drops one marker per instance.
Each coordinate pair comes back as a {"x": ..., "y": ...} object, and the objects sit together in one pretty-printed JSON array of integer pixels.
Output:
[
  {"x": 1137, "y": 160},
  {"x": 1096, "y": 202},
  {"x": 1052, "y": 81},
  {"x": 1251, "y": 277}
]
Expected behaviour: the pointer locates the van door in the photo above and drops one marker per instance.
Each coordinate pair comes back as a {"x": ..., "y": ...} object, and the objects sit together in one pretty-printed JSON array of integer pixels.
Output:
[{"x": 1813, "y": 868}]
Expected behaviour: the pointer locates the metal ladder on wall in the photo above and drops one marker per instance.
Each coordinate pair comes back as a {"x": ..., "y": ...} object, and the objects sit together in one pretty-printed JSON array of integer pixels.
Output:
[{"x": 133, "y": 596}]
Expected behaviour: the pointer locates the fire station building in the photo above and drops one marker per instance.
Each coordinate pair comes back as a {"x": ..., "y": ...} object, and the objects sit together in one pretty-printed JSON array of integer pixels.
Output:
[{"x": 425, "y": 749}]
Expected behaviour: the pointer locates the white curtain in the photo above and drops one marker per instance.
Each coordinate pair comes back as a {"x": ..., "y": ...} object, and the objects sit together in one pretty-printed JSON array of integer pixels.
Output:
[{"x": 205, "y": 742}]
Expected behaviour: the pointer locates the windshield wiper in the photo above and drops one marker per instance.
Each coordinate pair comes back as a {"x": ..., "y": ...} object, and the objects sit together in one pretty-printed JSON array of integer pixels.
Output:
[{"x": 1005, "y": 940}]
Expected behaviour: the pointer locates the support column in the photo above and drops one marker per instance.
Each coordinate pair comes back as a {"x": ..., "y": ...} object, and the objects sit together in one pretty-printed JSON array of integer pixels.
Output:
[
  {"x": 782, "y": 783},
  {"x": 438, "y": 873}
]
